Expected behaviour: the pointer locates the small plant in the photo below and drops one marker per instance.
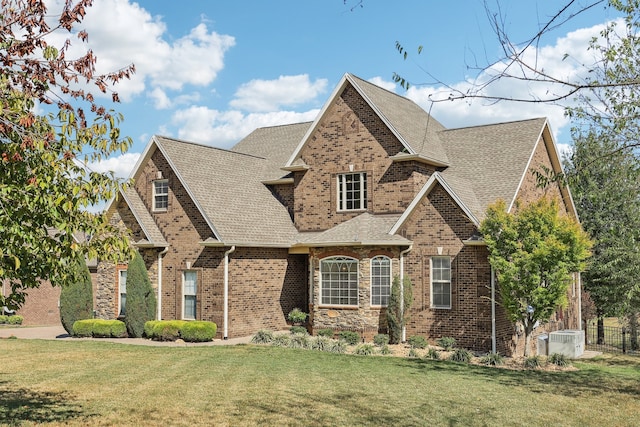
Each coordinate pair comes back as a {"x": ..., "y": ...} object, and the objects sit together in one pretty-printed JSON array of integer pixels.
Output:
[
  {"x": 432, "y": 354},
  {"x": 299, "y": 341},
  {"x": 15, "y": 320},
  {"x": 366, "y": 349},
  {"x": 381, "y": 340},
  {"x": 325, "y": 333},
  {"x": 262, "y": 337},
  {"x": 298, "y": 330},
  {"x": 12, "y": 337},
  {"x": 350, "y": 337},
  {"x": 533, "y": 362},
  {"x": 297, "y": 316},
  {"x": 447, "y": 343},
  {"x": 281, "y": 340},
  {"x": 492, "y": 359},
  {"x": 417, "y": 341},
  {"x": 385, "y": 350},
  {"x": 559, "y": 359},
  {"x": 338, "y": 347},
  {"x": 461, "y": 355},
  {"x": 413, "y": 353},
  {"x": 321, "y": 343}
]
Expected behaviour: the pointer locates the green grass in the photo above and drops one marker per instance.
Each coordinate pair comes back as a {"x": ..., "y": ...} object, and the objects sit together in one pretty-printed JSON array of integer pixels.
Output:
[{"x": 99, "y": 383}]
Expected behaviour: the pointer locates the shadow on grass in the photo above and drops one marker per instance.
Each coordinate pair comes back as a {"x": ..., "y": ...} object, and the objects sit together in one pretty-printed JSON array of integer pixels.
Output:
[
  {"x": 19, "y": 405},
  {"x": 590, "y": 379}
]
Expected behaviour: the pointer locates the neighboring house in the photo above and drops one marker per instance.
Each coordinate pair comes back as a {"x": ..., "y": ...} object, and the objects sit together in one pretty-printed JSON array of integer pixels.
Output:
[{"x": 323, "y": 215}]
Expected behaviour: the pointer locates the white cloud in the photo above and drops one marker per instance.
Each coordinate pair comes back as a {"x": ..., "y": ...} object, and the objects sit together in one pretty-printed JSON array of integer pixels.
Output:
[
  {"x": 379, "y": 81},
  {"x": 160, "y": 99},
  {"x": 121, "y": 165},
  {"x": 224, "y": 128},
  {"x": 270, "y": 95}
]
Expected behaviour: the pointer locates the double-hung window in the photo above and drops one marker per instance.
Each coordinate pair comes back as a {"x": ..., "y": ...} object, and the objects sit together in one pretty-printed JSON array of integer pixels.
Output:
[
  {"x": 441, "y": 282},
  {"x": 160, "y": 195},
  {"x": 339, "y": 281},
  {"x": 380, "y": 280},
  {"x": 189, "y": 292},
  {"x": 122, "y": 292},
  {"x": 352, "y": 191}
]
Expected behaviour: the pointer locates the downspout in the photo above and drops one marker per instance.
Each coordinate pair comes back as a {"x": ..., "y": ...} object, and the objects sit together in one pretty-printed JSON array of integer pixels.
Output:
[
  {"x": 159, "y": 299},
  {"x": 402, "y": 254},
  {"x": 226, "y": 292},
  {"x": 579, "y": 291},
  {"x": 493, "y": 311}
]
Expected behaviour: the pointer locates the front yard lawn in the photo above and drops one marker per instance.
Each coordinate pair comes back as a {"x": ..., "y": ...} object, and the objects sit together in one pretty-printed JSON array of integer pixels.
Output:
[{"x": 102, "y": 383}]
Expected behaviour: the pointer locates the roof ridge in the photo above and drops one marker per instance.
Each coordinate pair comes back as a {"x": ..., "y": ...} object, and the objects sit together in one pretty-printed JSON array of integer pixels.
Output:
[
  {"x": 198, "y": 144},
  {"x": 495, "y": 124}
]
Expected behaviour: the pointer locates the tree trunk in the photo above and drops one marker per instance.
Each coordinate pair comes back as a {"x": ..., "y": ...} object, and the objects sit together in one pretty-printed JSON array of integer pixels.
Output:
[
  {"x": 633, "y": 331},
  {"x": 600, "y": 330},
  {"x": 527, "y": 343}
]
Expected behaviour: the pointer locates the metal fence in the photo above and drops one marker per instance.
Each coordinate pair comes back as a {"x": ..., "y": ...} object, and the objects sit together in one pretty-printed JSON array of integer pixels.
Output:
[{"x": 613, "y": 340}]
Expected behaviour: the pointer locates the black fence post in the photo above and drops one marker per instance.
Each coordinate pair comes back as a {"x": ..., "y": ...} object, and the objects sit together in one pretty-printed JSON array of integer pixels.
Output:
[{"x": 624, "y": 340}]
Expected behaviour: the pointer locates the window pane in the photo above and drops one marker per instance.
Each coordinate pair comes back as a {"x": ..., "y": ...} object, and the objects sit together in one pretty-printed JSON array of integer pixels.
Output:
[
  {"x": 339, "y": 284},
  {"x": 352, "y": 191},
  {"x": 189, "y": 307},
  {"x": 380, "y": 280},
  {"x": 441, "y": 282},
  {"x": 190, "y": 288}
]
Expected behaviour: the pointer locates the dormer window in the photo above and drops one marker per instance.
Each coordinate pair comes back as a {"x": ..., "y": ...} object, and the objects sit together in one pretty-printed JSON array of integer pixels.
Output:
[
  {"x": 352, "y": 191},
  {"x": 160, "y": 194}
]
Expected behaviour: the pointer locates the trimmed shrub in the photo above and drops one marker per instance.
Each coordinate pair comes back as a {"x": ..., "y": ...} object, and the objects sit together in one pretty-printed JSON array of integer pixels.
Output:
[
  {"x": 299, "y": 330},
  {"x": 15, "y": 320},
  {"x": 118, "y": 329},
  {"x": 325, "y": 333},
  {"x": 76, "y": 297},
  {"x": 559, "y": 359},
  {"x": 262, "y": 337},
  {"x": 461, "y": 355},
  {"x": 99, "y": 328},
  {"x": 366, "y": 349},
  {"x": 533, "y": 362},
  {"x": 417, "y": 341},
  {"x": 167, "y": 330},
  {"x": 492, "y": 359},
  {"x": 141, "y": 299},
  {"x": 198, "y": 331},
  {"x": 350, "y": 337},
  {"x": 432, "y": 354},
  {"x": 4, "y": 319},
  {"x": 82, "y": 328},
  {"x": 148, "y": 328},
  {"x": 381, "y": 340},
  {"x": 297, "y": 316},
  {"x": 447, "y": 343}
]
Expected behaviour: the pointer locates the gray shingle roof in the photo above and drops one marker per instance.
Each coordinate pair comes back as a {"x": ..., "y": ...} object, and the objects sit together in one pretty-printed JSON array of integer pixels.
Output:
[
  {"x": 364, "y": 229},
  {"x": 151, "y": 231},
  {"x": 227, "y": 187}
]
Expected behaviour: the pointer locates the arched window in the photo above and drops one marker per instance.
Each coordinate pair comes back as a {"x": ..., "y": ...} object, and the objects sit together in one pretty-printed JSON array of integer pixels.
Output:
[
  {"x": 380, "y": 280},
  {"x": 339, "y": 281}
]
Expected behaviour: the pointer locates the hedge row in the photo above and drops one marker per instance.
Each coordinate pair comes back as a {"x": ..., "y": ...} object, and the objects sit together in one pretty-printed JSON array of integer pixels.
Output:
[
  {"x": 189, "y": 331},
  {"x": 11, "y": 320},
  {"x": 98, "y": 328}
]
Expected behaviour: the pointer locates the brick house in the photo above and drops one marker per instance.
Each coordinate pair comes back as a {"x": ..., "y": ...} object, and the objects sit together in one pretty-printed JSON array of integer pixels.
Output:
[{"x": 322, "y": 216}]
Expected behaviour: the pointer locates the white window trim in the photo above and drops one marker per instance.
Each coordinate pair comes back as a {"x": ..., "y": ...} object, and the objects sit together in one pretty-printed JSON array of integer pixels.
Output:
[
  {"x": 155, "y": 208},
  {"x": 337, "y": 259},
  {"x": 371, "y": 280},
  {"x": 432, "y": 281},
  {"x": 120, "y": 271},
  {"x": 341, "y": 192},
  {"x": 184, "y": 294}
]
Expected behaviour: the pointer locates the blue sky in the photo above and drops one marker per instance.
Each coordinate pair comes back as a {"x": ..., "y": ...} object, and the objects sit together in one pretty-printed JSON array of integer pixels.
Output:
[{"x": 211, "y": 71}]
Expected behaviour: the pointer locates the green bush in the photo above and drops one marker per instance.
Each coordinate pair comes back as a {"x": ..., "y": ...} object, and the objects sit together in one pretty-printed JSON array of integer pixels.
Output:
[
  {"x": 198, "y": 331},
  {"x": 148, "y": 328},
  {"x": 299, "y": 341},
  {"x": 366, "y": 349},
  {"x": 325, "y": 333},
  {"x": 15, "y": 320},
  {"x": 297, "y": 316},
  {"x": 167, "y": 330},
  {"x": 299, "y": 330},
  {"x": 101, "y": 328},
  {"x": 76, "y": 297},
  {"x": 447, "y": 343},
  {"x": 398, "y": 308},
  {"x": 533, "y": 362},
  {"x": 559, "y": 359},
  {"x": 321, "y": 343},
  {"x": 82, "y": 328},
  {"x": 262, "y": 337},
  {"x": 413, "y": 352},
  {"x": 338, "y": 347},
  {"x": 461, "y": 355},
  {"x": 432, "y": 354},
  {"x": 118, "y": 329},
  {"x": 281, "y": 340},
  {"x": 492, "y": 359},
  {"x": 381, "y": 340},
  {"x": 385, "y": 350},
  {"x": 4, "y": 319},
  {"x": 417, "y": 341},
  {"x": 350, "y": 337},
  {"x": 141, "y": 298}
]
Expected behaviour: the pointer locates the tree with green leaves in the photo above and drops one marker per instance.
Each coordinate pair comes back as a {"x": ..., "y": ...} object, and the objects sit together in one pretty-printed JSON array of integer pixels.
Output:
[
  {"x": 141, "y": 299},
  {"x": 534, "y": 251},
  {"x": 400, "y": 302},
  {"x": 46, "y": 184},
  {"x": 76, "y": 297}
]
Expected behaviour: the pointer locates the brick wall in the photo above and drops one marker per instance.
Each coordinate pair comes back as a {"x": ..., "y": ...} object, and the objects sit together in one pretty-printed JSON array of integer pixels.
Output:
[{"x": 41, "y": 306}]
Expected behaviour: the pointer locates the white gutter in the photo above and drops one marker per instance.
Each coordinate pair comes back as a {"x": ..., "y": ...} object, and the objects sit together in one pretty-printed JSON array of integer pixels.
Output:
[
  {"x": 579, "y": 291},
  {"x": 402, "y": 254},
  {"x": 493, "y": 311},
  {"x": 226, "y": 292},
  {"x": 159, "y": 299}
]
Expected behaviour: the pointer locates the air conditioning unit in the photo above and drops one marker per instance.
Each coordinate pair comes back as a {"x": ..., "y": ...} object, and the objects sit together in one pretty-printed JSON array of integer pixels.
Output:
[
  {"x": 543, "y": 345},
  {"x": 568, "y": 342}
]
